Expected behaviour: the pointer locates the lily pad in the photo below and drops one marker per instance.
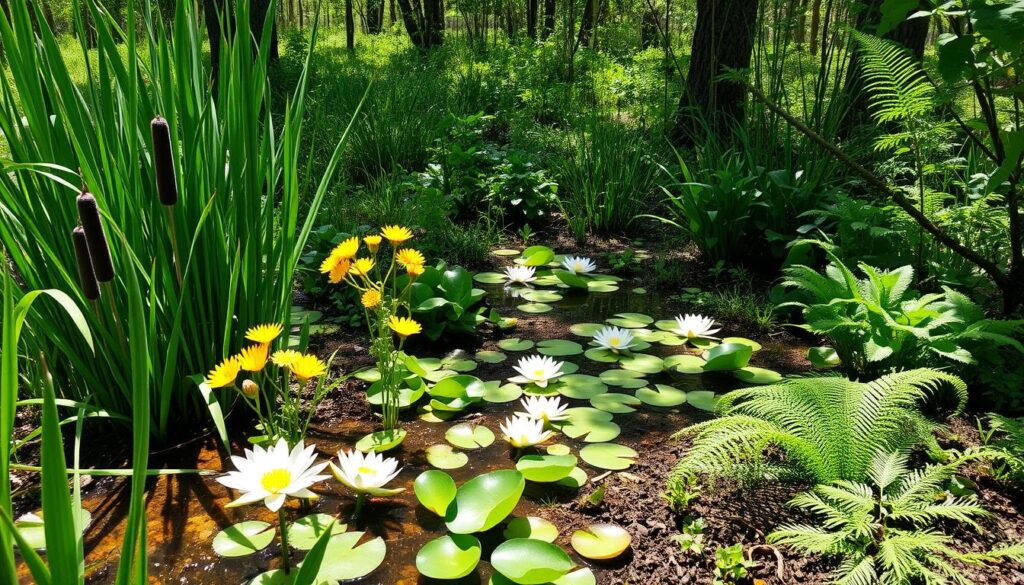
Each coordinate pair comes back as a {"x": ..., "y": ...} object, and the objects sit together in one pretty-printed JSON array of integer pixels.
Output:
[
  {"x": 452, "y": 556},
  {"x": 444, "y": 456},
  {"x": 702, "y": 399},
  {"x": 489, "y": 278},
  {"x": 462, "y": 366},
  {"x": 381, "y": 441},
  {"x": 536, "y": 256},
  {"x": 623, "y": 378},
  {"x": 601, "y": 541},
  {"x": 582, "y": 576},
  {"x": 515, "y": 344},
  {"x": 345, "y": 559},
  {"x": 569, "y": 368},
  {"x": 727, "y": 357},
  {"x": 496, "y": 392},
  {"x": 541, "y": 296},
  {"x": 428, "y": 414},
  {"x": 546, "y": 468},
  {"x": 615, "y": 403},
  {"x": 244, "y": 538},
  {"x": 642, "y": 362},
  {"x": 438, "y": 375},
  {"x": 823, "y": 357},
  {"x": 662, "y": 396},
  {"x": 631, "y": 320},
  {"x": 570, "y": 279},
  {"x": 755, "y": 375},
  {"x": 409, "y": 392},
  {"x": 609, "y": 456},
  {"x": 535, "y": 308},
  {"x": 685, "y": 363},
  {"x": 590, "y": 424},
  {"x": 368, "y": 375},
  {"x": 484, "y": 501},
  {"x": 435, "y": 490},
  {"x": 558, "y": 449},
  {"x": 508, "y": 252},
  {"x": 586, "y": 329},
  {"x": 304, "y": 532},
  {"x": 32, "y": 528},
  {"x": 528, "y": 561},
  {"x": 599, "y": 286},
  {"x": 669, "y": 325},
  {"x": 753, "y": 344},
  {"x": 603, "y": 355},
  {"x": 531, "y": 527},
  {"x": 468, "y": 436},
  {"x": 581, "y": 386},
  {"x": 577, "y": 479},
  {"x": 639, "y": 290},
  {"x": 559, "y": 347},
  {"x": 491, "y": 357}
]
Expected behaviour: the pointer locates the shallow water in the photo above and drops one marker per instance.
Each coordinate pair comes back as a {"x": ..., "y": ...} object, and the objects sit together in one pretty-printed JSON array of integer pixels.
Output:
[{"x": 185, "y": 512}]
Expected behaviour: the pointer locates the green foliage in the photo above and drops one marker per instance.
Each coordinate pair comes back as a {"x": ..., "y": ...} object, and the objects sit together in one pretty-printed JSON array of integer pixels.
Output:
[
  {"x": 444, "y": 301},
  {"x": 1008, "y": 438},
  {"x": 681, "y": 490},
  {"x": 730, "y": 565},
  {"x": 828, "y": 427},
  {"x": 344, "y": 300},
  {"x": 885, "y": 530},
  {"x": 691, "y": 539}
]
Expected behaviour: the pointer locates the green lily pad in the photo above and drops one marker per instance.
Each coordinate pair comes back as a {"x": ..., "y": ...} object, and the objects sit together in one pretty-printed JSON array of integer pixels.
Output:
[
  {"x": 33, "y": 528},
  {"x": 462, "y": 366},
  {"x": 755, "y": 375},
  {"x": 491, "y": 357},
  {"x": 582, "y": 576},
  {"x": 603, "y": 355},
  {"x": 345, "y": 561},
  {"x": 515, "y": 344},
  {"x": 498, "y": 392},
  {"x": 599, "y": 286},
  {"x": 580, "y": 386},
  {"x": 428, "y": 414},
  {"x": 489, "y": 278},
  {"x": 534, "y": 390},
  {"x": 661, "y": 396},
  {"x": 570, "y": 279},
  {"x": 623, "y": 378},
  {"x": 685, "y": 363},
  {"x": 438, "y": 375},
  {"x": 642, "y": 362},
  {"x": 536, "y": 256},
  {"x": 452, "y": 556},
  {"x": 609, "y": 456},
  {"x": 615, "y": 403},
  {"x": 444, "y": 456},
  {"x": 586, "y": 329},
  {"x": 541, "y": 296},
  {"x": 569, "y": 368},
  {"x": 368, "y": 375},
  {"x": 381, "y": 441},
  {"x": 753, "y": 344},
  {"x": 670, "y": 340},
  {"x": 823, "y": 357},
  {"x": 484, "y": 501},
  {"x": 590, "y": 424},
  {"x": 576, "y": 479},
  {"x": 546, "y": 468},
  {"x": 601, "y": 541},
  {"x": 468, "y": 436},
  {"x": 727, "y": 357},
  {"x": 639, "y": 290},
  {"x": 535, "y": 308},
  {"x": 558, "y": 449},
  {"x": 559, "y": 347},
  {"x": 304, "y": 532},
  {"x": 702, "y": 399},
  {"x": 507, "y": 252},
  {"x": 528, "y": 561},
  {"x": 411, "y": 390},
  {"x": 274, "y": 577},
  {"x": 531, "y": 527},
  {"x": 244, "y": 538},
  {"x": 669, "y": 325},
  {"x": 455, "y": 393},
  {"x": 435, "y": 490},
  {"x": 631, "y": 320}
]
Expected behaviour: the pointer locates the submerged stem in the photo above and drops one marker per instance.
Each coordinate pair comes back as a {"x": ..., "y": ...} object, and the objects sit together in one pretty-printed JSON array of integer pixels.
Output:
[{"x": 285, "y": 552}]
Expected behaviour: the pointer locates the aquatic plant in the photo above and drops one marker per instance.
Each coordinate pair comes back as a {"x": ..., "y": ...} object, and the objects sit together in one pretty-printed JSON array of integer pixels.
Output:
[
  {"x": 695, "y": 327},
  {"x": 614, "y": 339},
  {"x": 578, "y": 265},
  {"x": 523, "y": 275},
  {"x": 546, "y": 409},
  {"x": 521, "y": 431},
  {"x": 537, "y": 370},
  {"x": 366, "y": 475}
]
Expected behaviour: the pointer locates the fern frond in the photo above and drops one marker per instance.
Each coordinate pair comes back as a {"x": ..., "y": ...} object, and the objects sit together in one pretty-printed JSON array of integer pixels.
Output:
[{"x": 898, "y": 88}]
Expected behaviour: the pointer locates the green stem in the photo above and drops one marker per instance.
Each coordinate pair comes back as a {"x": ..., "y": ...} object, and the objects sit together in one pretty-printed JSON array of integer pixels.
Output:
[
  {"x": 360, "y": 502},
  {"x": 285, "y": 552}
]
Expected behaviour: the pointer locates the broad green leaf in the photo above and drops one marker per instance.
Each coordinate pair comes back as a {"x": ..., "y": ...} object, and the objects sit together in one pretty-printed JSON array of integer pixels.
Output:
[
  {"x": 531, "y": 527},
  {"x": 601, "y": 541},
  {"x": 609, "y": 456},
  {"x": 453, "y": 556},
  {"x": 244, "y": 538},
  {"x": 528, "y": 561},
  {"x": 546, "y": 468},
  {"x": 484, "y": 501},
  {"x": 435, "y": 490},
  {"x": 304, "y": 532}
]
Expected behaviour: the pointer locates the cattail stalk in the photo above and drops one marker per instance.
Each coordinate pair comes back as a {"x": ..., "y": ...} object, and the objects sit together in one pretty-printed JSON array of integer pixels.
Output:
[
  {"x": 86, "y": 274},
  {"x": 166, "y": 182}
]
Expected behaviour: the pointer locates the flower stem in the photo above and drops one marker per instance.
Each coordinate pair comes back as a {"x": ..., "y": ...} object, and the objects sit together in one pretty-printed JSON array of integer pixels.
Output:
[
  {"x": 360, "y": 502},
  {"x": 285, "y": 552}
]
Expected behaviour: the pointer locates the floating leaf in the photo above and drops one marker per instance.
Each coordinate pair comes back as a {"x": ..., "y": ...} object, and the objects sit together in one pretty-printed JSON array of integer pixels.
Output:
[
  {"x": 702, "y": 399},
  {"x": 411, "y": 390},
  {"x": 558, "y": 449},
  {"x": 754, "y": 375},
  {"x": 569, "y": 368},
  {"x": 615, "y": 403},
  {"x": 586, "y": 329},
  {"x": 685, "y": 363},
  {"x": 601, "y": 541},
  {"x": 642, "y": 362},
  {"x": 609, "y": 456},
  {"x": 515, "y": 344},
  {"x": 753, "y": 344},
  {"x": 535, "y": 308},
  {"x": 506, "y": 252},
  {"x": 491, "y": 357},
  {"x": 546, "y": 468},
  {"x": 528, "y": 561},
  {"x": 536, "y": 256},
  {"x": 304, "y": 532},
  {"x": 727, "y": 357},
  {"x": 368, "y": 375},
  {"x": 823, "y": 357},
  {"x": 667, "y": 325},
  {"x": 629, "y": 322},
  {"x": 468, "y": 436},
  {"x": 489, "y": 278},
  {"x": 623, "y": 378},
  {"x": 580, "y": 386},
  {"x": 571, "y": 279},
  {"x": 381, "y": 441},
  {"x": 452, "y": 556},
  {"x": 32, "y": 528},
  {"x": 484, "y": 501},
  {"x": 559, "y": 347},
  {"x": 244, "y": 538},
  {"x": 639, "y": 290},
  {"x": 598, "y": 286},
  {"x": 344, "y": 561},
  {"x": 444, "y": 456},
  {"x": 603, "y": 355},
  {"x": 435, "y": 490},
  {"x": 428, "y": 414},
  {"x": 590, "y": 424},
  {"x": 577, "y": 479},
  {"x": 531, "y": 527},
  {"x": 462, "y": 366},
  {"x": 541, "y": 296},
  {"x": 661, "y": 396},
  {"x": 497, "y": 393},
  {"x": 582, "y": 576}
]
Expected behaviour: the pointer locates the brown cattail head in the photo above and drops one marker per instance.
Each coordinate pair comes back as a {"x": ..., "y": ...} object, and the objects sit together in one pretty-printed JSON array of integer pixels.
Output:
[
  {"x": 99, "y": 251},
  {"x": 163, "y": 160},
  {"x": 86, "y": 275}
]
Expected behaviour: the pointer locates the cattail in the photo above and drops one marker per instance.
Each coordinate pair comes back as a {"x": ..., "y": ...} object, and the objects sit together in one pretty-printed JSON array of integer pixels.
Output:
[
  {"x": 86, "y": 275},
  {"x": 163, "y": 160},
  {"x": 99, "y": 251}
]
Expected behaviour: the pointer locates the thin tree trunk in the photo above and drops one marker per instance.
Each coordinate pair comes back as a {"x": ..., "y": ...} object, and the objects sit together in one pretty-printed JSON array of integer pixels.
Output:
[
  {"x": 587, "y": 23},
  {"x": 532, "y": 8},
  {"x": 815, "y": 25},
  {"x": 799, "y": 34},
  {"x": 412, "y": 23},
  {"x": 350, "y": 27},
  {"x": 549, "y": 19}
]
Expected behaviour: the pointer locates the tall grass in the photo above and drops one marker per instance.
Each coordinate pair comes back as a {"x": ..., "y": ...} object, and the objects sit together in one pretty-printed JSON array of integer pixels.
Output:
[{"x": 219, "y": 260}]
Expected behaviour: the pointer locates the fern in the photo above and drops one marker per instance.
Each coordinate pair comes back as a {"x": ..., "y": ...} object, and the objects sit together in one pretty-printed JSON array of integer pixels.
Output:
[
  {"x": 829, "y": 427},
  {"x": 1009, "y": 442},
  {"x": 883, "y": 531}
]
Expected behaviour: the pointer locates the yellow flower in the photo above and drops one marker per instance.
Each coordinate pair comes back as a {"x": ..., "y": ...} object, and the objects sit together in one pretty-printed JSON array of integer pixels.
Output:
[
  {"x": 308, "y": 366},
  {"x": 339, "y": 271},
  {"x": 363, "y": 266},
  {"x": 264, "y": 333},
  {"x": 396, "y": 234},
  {"x": 371, "y": 298},
  {"x": 408, "y": 256},
  {"x": 284, "y": 358},
  {"x": 329, "y": 263},
  {"x": 404, "y": 326},
  {"x": 372, "y": 242},
  {"x": 414, "y": 270},
  {"x": 254, "y": 357},
  {"x": 347, "y": 249},
  {"x": 225, "y": 373}
]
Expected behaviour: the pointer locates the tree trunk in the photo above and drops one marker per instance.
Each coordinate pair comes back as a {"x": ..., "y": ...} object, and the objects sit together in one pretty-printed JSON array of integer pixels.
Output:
[
  {"x": 350, "y": 27},
  {"x": 532, "y": 8},
  {"x": 815, "y": 25},
  {"x": 723, "y": 38},
  {"x": 587, "y": 22},
  {"x": 800, "y": 32},
  {"x": 259, "y": 17},
  {"x": 375, "y": 16},
  {"x": 433, "y": 12},
  {"x": 649, "y": 28},
  {"x": 412, "y": 23},
  {"x": 549, "y": 19}
]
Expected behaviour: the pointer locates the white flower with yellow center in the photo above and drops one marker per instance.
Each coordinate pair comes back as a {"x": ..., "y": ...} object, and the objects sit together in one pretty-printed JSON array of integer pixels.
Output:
[
  {"x": 614, "y": 339},
  {"x": 521, "y": 431},
  {"x": 544, "y": 409},
  {"x": 694, "y": 326},
  {"x": 520, "y": 274},
  {"x": 578, "y": 264},
  {"x": 274, "y": 474},
  {"x": 366, "y": 473},
  {"x": 537, "y": 370}
]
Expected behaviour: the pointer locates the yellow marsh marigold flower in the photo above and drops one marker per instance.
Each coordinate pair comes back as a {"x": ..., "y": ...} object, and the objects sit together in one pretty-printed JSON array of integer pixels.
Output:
[
  {"x": 372, "y": 242},
  {"x": 346, "y": 250},
  {"x": 362, "y": 266},
  {"x": 224, "y": 374},
  {"x": 339, "y": 271},
  {"x": 408, "y": 256},
  {"x": 284, "y": 358},
  {"x": 329, "y": 263},
  {"x": 371, "y": 298},
  {"x": 396, "y": 234},
  {"x": 254, "y": 357},
  {"x": 264, "y": 333},
  {"x": 414, "y": 270},
  {"x": 308, "y": 366},
  {"x": 404, "y": 326}
]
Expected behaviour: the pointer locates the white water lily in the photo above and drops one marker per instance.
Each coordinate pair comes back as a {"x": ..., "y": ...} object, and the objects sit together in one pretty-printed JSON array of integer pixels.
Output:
[
  {"x": 544, "y": 409},
  {"x": 366, "y": 473},
  {"x": 521, "y": 431},
  {"x": 578, "y": 264},
  {"x": 614, "y": 338},
  {"x": 521, "y": 274},
  {"x": 694, "y": 326},
  {"x": 538, "y": 370},
  {"x": 274, "y": 474}
]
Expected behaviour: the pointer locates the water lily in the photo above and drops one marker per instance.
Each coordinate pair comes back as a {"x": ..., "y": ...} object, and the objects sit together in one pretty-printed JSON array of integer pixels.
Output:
[
  {"x": 366, "y": 475},
  {"x": 578, "y": 264},
  {"x": 274, "y": 474},
  {"x": 537, "y": 370},
  {"x": 521, "y": 274},
  {"x": 694, "y": 326},
  {"x": 544, "y": 409},
  {"x": 614, "y": 338},
  {"x": 521, "y": 431}
]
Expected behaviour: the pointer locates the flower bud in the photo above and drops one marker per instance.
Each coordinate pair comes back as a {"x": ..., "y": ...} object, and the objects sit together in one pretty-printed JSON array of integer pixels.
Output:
[
  {"x": 86, "y": 275},
  {"x": 163, "y": 161},
  {"x": 250, "y": 389},
  {"x": 99, "y": 251}
]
